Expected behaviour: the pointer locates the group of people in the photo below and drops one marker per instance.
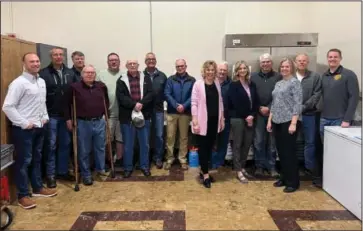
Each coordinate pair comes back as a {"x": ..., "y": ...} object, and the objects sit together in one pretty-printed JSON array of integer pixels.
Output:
[{"x": 264, "y": 110}]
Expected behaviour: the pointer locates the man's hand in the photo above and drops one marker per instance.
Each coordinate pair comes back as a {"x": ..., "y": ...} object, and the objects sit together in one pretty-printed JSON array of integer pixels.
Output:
[
  {"x": 44, "y": 122},
  {"x": 138, "y": 107},
  {"x": 264, "y": 111},
  {"x": 30, "y": 126},
  {"x": 180, "y": 108},
  {"x": 69, "y": 125},
  {"x": 345, "y": 124}
]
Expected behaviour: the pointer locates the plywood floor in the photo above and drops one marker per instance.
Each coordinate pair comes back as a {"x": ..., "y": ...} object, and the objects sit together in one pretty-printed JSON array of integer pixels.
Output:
[{"x": 175, "y": 200}]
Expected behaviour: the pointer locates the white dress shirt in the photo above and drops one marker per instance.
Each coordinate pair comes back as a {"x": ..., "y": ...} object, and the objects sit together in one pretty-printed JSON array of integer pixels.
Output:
[{"x": 25, "y": 101}]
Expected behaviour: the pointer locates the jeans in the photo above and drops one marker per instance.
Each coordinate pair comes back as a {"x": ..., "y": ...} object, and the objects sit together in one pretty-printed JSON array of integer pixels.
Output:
[
  {"x": 28, "y": 144},
  {"x": 57, "y": 159},
  {"x": 309, "y": 137},
  {"x": 222, "y": 145},
  {"x": 264, "y": 145},
  {"x": 158, "y": 126},
  {"x": 328, "y": 122},
  {"x": 128, "y": 133},
  {"x": 91, "y": 134}
]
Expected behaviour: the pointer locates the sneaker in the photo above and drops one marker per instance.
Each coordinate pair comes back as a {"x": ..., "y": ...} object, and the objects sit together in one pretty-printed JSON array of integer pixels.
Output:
[
  {"x": 103, "y": 173},
  {"x": 45, "y": 192},
  {"x": 167, "y": 166},
  {"x": 184, "y": 166},
  {"x": 26, "y": 203},
  {"x": 274, "y": 173}
]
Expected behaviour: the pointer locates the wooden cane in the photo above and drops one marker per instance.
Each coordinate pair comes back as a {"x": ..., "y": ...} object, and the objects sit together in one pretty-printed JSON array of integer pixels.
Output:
[
  {"x": 108, "y": 138},
  {"x": 75, "y": 143}
]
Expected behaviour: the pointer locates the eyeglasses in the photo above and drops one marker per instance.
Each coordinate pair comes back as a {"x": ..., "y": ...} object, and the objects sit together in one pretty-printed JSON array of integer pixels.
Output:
[
  {"x": 180, "y": 66},
  {"x": 151, "y": 59}
]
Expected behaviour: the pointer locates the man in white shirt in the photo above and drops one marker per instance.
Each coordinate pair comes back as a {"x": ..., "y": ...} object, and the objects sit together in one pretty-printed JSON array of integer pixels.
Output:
[
  {"x": 25, "y": 107},
  {"x": 109, "y": 77}
]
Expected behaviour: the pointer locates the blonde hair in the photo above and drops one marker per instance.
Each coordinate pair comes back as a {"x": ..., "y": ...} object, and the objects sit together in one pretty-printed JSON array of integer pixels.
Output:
[
  {"x": 291, "y": 63},
  {"x": 236, "y": 69},
  {"x": 206, "y": 65}
]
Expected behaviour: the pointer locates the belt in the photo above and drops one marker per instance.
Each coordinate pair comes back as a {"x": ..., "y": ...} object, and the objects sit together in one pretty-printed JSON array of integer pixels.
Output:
[{"x": 89, "y": 118}]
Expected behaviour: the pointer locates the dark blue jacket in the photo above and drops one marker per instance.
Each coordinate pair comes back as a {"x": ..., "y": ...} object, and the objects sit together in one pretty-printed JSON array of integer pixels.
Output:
[
  {"x": 224, "y": 87},
  {"x": 239, "y": 104},
  {"x": 178, "y": 90}
]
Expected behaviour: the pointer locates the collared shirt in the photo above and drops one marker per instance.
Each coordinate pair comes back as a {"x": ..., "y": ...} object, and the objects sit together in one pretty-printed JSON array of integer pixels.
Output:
[
  {"x": 25, "y": 101},
  {"x": 89, "y": 100},
  {"x": 135, "y": 91},
  {"x": 152, "y": 74}
]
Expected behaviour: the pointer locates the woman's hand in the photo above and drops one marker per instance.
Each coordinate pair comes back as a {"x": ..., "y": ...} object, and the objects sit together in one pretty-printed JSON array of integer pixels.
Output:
[
  {"x": 269, "y": 126},
  {"x": 249, "y": 121},
  {"x": 292, "y": 128},
  {"x": 196, "y": 127}
]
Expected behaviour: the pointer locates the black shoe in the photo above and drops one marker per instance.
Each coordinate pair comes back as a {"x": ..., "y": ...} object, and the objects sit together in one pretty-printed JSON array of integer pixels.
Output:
[
  {"x": 51, "y": 182},
  {"x": 290, "y": 189},
  {"x": 146, "y": 172},
  {"x": 66, "y": 177},
  {"x": 201, "y": 176},
  {"x": 279, "y": 183},
  {"x": 88, "y": 181},
  {"x": 159, "y": 164},
  {"x": 127, "y": 174},
  {"x": 207, "y": 182},
  {"x": 317, "y": 183}
]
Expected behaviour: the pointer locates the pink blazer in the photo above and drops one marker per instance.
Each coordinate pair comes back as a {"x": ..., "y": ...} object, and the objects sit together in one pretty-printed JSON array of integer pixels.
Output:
[{"x": 199, "y": 106}]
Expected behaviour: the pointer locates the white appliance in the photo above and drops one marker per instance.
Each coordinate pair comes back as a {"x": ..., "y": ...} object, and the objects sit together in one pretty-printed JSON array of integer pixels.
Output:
[{"x": 342, "y": 177}]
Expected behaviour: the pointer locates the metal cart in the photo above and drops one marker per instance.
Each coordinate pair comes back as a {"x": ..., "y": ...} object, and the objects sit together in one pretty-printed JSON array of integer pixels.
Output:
[{"x": 6, "y": 161}]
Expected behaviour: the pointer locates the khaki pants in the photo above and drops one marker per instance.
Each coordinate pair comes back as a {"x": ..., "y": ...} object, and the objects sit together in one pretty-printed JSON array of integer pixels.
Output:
[{"x": 176, "y": 122}]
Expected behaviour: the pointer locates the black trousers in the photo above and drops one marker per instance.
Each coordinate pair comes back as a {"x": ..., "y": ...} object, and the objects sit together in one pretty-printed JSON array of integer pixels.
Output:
[
  {"x": 319, "y": 148},
  {"x": 286, "y": 148},
  {"x": 206, "y": 144}
]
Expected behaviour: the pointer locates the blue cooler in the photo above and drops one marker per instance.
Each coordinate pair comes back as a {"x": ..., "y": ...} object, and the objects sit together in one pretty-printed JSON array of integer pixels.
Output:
[{"x": 193, "y": 158}]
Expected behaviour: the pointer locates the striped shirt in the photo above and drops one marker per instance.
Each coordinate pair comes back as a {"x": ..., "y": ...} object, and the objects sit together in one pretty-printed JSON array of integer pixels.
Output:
[{"x": 25, "y": 101}]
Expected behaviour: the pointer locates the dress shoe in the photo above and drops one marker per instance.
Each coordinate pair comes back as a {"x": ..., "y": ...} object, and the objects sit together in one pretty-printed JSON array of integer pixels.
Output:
[
  {"x": 88, "y": 181},
  {"x": 127, "y": 174},
  {"x": 290, "y": 189},
  {"x": 146, "y": 172},
  {"x": 207, "y": 182},
  {"x": 159, "y": 164},
  {"x": 66, "y": 177},
  {"x": 279, "y": 183},
  {"x": 201, "y": 176},
  {"x": 51, "y": 182}
]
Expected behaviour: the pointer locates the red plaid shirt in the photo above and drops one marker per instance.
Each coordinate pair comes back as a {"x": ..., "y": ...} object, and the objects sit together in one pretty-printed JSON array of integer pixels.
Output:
[{"x": 135, "y": 87}]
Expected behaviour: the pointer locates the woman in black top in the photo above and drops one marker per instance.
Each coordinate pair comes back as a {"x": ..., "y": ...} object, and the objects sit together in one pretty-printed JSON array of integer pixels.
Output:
[
  {"x": 243, "y": 106},
  {"x": 208, "y": 116}
]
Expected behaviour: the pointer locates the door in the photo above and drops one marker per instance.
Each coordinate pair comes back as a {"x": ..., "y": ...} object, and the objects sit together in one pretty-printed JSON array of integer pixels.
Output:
[
  {"x": 278, "y": 53},
  {"x": 251, "y": 55}
]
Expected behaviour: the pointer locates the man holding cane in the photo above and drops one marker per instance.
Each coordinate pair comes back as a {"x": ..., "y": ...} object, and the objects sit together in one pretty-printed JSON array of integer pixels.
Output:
[{"x": 90, "y": 98}]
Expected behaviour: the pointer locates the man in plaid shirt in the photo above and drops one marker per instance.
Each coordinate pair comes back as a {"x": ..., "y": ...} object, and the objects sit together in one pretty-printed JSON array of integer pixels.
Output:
[{"x": 134, "y": 92}]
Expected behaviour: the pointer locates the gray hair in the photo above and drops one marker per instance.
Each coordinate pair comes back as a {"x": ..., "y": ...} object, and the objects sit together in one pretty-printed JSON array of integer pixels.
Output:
[
  {"x": 223, "y": 63},
  {"x": 265, "y": 56}
]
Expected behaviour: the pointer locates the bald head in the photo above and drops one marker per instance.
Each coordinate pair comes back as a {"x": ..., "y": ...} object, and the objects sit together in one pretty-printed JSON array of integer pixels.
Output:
[{"x": 132, "y": 66}]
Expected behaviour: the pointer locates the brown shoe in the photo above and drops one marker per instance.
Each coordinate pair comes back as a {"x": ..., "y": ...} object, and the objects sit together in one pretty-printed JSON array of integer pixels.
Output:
[
  {"x": 184, "y": 166},
  {"x": 26, "y": 203},
  {"x": 45, "y": 192}
]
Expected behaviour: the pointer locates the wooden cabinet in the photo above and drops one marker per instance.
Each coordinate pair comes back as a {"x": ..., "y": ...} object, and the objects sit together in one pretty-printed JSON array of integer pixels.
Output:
[{"x": 12, "y": 51}]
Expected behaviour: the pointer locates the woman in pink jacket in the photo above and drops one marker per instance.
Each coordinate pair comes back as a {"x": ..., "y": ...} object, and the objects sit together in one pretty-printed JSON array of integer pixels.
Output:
[{"x": 207, "y": 116}]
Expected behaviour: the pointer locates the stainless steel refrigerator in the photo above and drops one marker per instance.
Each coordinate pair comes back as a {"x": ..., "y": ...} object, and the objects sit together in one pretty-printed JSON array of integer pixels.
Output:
[{"x": 249, "y": 47}]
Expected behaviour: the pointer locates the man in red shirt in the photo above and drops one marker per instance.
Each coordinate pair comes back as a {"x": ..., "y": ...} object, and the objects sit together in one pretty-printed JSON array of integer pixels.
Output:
[{"x": 90, "y": 97}]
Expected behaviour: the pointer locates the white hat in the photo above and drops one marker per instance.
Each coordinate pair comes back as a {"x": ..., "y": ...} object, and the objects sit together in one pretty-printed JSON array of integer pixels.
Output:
[{"x": 137, "y": 119}]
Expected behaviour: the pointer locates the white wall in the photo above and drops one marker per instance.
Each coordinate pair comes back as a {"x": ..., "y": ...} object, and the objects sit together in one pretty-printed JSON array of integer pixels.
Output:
[
  {"x": 339, "y": 26},
  {"x": 190, "y": 30}
]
